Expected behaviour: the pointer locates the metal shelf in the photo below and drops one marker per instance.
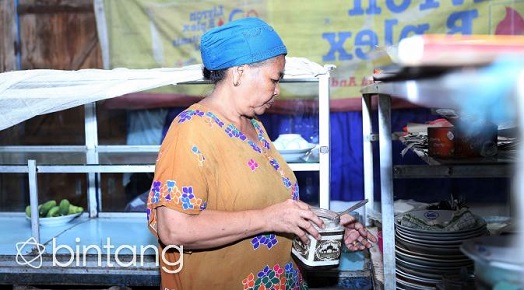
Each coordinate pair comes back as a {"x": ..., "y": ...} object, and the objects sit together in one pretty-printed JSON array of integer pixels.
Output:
[{"x": 456, "y": 89}]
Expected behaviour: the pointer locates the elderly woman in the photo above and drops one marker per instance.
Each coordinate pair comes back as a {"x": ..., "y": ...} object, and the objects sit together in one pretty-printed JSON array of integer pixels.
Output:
[{"x": 221, "y": 190}]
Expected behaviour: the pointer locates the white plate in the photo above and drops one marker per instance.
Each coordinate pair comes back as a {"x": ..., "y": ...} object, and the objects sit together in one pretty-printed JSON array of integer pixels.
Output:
[
  {"x": 56, "y": 221},
  {"x": 296, "y": 155},
  {"x": 297, "y": 151}
]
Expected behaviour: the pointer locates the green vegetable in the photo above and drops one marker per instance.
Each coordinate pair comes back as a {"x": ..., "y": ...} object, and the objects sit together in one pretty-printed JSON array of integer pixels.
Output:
[
  {"x": 54, "y": 211},
  {"x": 64, "y": 206},
  {"x": 28, "y": 210},
  {"x": 46, "y": 207},
  {"x": 75, "y": 209}
]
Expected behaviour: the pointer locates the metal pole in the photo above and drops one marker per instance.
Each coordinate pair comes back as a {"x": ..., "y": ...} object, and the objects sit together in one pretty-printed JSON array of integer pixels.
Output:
[
  {"x": 324, "y": 141},
  {"x": 367, "y": 153},
  {"x": 386, "y": 186},
  {"x": 33, "y": 199}
]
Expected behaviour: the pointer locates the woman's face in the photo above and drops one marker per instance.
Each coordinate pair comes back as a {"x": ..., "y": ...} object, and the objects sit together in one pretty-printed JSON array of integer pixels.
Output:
[{"x": 264, "y": 85}]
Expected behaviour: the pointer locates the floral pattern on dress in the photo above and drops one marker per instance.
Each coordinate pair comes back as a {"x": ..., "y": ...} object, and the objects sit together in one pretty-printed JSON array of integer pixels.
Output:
[
  {"x": 230, "y": 129},
  {"x": 186, "y": 197},
  {"x": 275, "y": 278},
  {"x": 295, "y": 192},
  {"x": 200, "y": 157},
  {"x": 266, "y": 239},
  {"x": 261, "y": 138},
  {"x": 234, "y": 132},
  {"x": 254, "y": 146},
  {"x": 213, "y": 118},
  {"x": 171, "y": 193},
  {"x": 188, "y": 114},
  {"x": 252, "y": 164}
]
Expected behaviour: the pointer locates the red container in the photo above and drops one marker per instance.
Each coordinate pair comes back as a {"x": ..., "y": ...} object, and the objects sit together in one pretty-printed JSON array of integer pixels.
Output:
[
  {"x": 441, "y": 142},
  {"x": 463, "y": 142}
]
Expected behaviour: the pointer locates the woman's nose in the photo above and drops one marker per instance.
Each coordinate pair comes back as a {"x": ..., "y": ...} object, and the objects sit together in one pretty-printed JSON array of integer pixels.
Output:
[{"x": 277, "y": 90}]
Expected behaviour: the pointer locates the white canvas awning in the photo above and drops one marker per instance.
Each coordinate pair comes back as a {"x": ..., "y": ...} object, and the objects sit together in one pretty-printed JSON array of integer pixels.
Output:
[{"x": 28, "y": 93}]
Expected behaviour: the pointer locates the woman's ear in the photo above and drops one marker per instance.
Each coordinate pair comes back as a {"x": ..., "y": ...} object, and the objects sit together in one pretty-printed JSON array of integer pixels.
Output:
[{"x": 238, "y": 72}]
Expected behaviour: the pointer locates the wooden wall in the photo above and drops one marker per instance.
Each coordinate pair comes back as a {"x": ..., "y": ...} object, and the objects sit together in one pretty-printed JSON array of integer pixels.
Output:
[
  {"x": 59, "y": 34},
  {"x": 8, "y": 36},
  {"x": 54, "y": 34}
]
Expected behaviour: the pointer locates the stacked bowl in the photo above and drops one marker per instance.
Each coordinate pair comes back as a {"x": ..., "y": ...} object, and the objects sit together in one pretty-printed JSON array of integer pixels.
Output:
[{"x": 427, "y": 250}]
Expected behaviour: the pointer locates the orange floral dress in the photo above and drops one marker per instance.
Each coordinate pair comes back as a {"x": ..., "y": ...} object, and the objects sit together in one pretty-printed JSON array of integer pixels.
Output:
[{"x": 205, "y": 163}]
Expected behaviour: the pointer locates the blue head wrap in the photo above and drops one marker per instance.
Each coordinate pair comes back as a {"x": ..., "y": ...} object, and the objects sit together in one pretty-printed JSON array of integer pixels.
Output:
[{"x": 242, "y": 41}]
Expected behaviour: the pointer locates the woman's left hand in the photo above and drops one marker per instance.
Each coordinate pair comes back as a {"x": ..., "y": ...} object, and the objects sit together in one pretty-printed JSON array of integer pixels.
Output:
[{"x": 356, "y": 236}]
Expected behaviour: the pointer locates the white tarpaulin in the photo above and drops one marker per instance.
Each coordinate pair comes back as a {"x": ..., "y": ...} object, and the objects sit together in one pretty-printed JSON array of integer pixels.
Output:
[{"x": 27, "y": 93}]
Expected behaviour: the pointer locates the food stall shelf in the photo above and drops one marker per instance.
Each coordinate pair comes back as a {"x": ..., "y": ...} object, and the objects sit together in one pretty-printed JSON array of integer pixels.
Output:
[{"x": 465, "y": 89}]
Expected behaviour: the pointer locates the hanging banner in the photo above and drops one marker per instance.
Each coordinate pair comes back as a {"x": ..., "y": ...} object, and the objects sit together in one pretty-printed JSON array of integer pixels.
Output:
[{"x": 166, "y": 33}]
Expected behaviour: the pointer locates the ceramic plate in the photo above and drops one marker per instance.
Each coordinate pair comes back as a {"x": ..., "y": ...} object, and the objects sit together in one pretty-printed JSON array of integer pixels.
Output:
[
  {"x": 459, "y": 258},
  {"x": 437, "y": 217},
  {"x": 56, "y": 221},
  {"x": 297, "y": 151},
  {"x": 295, "y": 155}
]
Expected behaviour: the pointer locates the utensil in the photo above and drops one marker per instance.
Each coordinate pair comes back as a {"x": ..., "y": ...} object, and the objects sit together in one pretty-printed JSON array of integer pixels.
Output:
[
  {"x": 353, "y": 207},
  {"x": 336, "y": 215}
]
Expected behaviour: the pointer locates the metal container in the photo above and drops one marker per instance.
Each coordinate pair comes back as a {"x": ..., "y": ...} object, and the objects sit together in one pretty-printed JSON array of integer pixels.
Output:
[{"x": 327, "y": 250}]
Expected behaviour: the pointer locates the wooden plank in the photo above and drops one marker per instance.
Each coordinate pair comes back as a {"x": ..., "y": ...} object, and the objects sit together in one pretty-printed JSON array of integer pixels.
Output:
[
  {"x": 59, "y": 40},
  {"x": 54, "y": 6},
  {"x": 51, "y": 9},
  {"x": 8, "y": 36}
]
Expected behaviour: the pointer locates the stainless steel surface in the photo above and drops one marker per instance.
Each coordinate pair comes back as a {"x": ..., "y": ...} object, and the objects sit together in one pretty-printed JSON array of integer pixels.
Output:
[
  {"x": 33, "y": 199},
  {"x": 324, "y": 138},
  {"x": 353, "y": 207},
  {"x": 367, "y": 156}
]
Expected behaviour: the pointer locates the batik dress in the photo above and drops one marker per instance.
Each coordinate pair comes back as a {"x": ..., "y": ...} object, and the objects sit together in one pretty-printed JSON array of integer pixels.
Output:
[{"x": 205, "y": 163}]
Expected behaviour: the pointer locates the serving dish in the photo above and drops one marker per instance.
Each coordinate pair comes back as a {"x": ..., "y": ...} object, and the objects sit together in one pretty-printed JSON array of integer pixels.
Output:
[
  {"x": 293, "y": 147},
  {"x": 56, "y": 221},
  {"x": 296, "y": 155}
]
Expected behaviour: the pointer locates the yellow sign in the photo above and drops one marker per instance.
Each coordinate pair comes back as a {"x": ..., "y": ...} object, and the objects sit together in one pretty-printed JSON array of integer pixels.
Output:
[{"x": 166, "y": 33}]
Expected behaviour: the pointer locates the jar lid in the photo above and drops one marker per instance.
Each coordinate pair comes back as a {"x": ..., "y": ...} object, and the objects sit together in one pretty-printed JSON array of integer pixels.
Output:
[{"x": 331, "y": 219}]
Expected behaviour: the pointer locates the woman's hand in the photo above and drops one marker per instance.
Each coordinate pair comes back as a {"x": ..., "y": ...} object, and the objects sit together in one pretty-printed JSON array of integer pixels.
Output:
[
  {"x": 293, "y": 216},
  {"x": 356, "y": 236}
]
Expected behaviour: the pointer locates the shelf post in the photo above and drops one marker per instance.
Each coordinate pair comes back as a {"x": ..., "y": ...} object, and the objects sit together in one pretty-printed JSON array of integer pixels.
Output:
[
  {"x": 367, "y": 154},
  {"x": 386, "y": 188},
  {"x": 33, "y": 199},
  {"x": 324, "y": 140},
  {"x": 93, "y": 179}
]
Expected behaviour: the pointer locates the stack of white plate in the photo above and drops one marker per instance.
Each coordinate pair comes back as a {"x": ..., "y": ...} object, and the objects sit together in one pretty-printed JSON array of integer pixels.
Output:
[{"x": 424, "y": 258}]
